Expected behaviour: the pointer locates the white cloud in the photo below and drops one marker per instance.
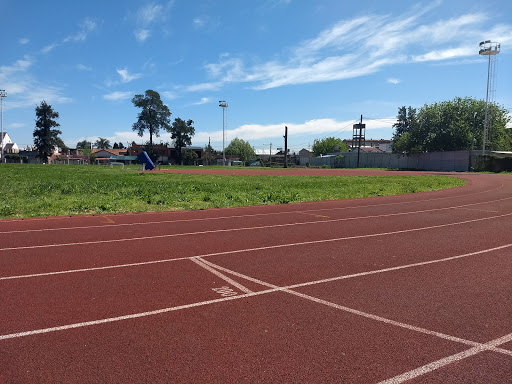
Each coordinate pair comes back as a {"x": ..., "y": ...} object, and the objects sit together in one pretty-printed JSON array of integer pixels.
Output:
[
  {"x": 142, "y": 34},
  {"x": 86, "y": 26},
  {"x": 149, "y": 15},
  {"x": 393, "y": 81},
  {"x": 48, "y": 48},
  {"x": 117, "y": 96},
  {"x": 318, "y": 128},
  {"x": 362, "y": 46},
  {"x": 23, "y": 41},
  {"x": 204, "y": 100},
  {"x": 126, "y": 77},
  {"x": 168, "y": 95},
  {"x": 83, "y": 67},
  {"x": 24, "y": 91}
]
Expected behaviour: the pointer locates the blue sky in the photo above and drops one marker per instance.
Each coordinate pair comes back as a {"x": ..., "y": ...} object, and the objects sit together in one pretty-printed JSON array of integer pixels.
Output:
[{"x": 314, "y": 66}]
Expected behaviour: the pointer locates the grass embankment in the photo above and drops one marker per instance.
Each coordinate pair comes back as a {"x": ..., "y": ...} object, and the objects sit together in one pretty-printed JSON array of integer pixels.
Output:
[{"x": 49, "y": 190}]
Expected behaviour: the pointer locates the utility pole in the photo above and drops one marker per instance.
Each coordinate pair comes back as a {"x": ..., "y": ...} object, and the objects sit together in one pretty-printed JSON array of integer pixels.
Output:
[
  {"x": 209, "y": 155},
  {"x": 223, "y": 104},
  {"x": 2, "y": 95},
  {"x": 285, "y": 146},
  {"x": 270, "y": 156}
]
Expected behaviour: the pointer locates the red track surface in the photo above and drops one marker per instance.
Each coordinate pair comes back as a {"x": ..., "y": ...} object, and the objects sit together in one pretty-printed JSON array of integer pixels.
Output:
[{"x": 414, "y": 288}]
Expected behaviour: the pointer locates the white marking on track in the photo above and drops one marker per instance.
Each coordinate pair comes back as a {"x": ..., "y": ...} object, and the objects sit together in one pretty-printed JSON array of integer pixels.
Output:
[
  {"x": 227, "y": 279},
  {"x": 288, "y": 289},
  {"x": 491, "y": 346},
  {"x": 435, "y": 365},
  {"x": 253, "y": 228}
]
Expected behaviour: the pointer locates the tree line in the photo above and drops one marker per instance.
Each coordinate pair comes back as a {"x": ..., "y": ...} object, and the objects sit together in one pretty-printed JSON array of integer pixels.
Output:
[{"x": 442, "y": 126}]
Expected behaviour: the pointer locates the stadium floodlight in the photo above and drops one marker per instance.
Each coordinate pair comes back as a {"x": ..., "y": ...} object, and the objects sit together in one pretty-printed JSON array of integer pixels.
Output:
[
  {"x": 223, "y": 104},
  {"x": 2, "y": 95}
]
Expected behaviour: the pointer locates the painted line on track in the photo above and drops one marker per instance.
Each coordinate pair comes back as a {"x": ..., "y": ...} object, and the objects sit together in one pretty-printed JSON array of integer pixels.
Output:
[
  {"x": 435, "y": 365},
  {"x": 274, "y": 288},
  {"x": 246, "y": 229},
  {"x": 246, "y": 250},
  {"x": 312, "y": 211},
  {"x": 227, "y": 279}
]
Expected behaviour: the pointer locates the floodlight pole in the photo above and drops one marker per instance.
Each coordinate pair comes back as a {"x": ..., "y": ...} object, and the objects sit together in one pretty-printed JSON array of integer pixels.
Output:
[
  {"x": 2, "y": 95},
  {"x": 223, "y": 104}
]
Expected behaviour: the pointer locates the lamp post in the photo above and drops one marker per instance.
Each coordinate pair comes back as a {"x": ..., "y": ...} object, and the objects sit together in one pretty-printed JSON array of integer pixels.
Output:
[
  {"x": 2, "y": 95},
  {"x": 223, "y": 104}
]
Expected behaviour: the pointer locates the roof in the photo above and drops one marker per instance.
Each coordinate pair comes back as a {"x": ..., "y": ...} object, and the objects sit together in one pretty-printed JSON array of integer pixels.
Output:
[
  {"x": 126, "y": 158},
  {"x": 114, "y": 152}
]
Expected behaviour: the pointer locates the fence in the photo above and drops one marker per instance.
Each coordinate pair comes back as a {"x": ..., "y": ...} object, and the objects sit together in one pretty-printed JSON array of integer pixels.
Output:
[{"x": 456, "y": 161}]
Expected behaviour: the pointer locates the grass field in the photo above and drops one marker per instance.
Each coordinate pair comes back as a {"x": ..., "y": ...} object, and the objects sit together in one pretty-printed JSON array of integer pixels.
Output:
[{"x": 50, "y": 190}]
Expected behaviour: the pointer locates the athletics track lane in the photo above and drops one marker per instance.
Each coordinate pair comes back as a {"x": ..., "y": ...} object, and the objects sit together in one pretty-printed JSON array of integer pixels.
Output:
[{"x": 270, "y": 334}]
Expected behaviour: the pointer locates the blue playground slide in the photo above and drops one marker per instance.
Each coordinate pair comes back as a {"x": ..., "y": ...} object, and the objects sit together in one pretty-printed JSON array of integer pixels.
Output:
[{"x": 144, "y": 159}]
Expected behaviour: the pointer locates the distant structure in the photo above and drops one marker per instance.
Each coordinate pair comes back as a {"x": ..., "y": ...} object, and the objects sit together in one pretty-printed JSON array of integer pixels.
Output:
[{"x": 488, "y": 48}]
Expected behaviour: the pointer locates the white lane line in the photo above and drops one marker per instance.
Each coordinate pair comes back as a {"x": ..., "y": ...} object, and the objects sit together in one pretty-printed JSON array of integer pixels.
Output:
[
  {"x": 312, "y": 211},
  {"x": 253, "y": 228},
  {"x": 435, "y": 365},
  {"x": 252, "y": 250},
  {"x": 272, "y": 288},
  {"x": 381, "y": 319},
  {"x": 128, "y": 317},
  {"x": 227, "y": 279}
]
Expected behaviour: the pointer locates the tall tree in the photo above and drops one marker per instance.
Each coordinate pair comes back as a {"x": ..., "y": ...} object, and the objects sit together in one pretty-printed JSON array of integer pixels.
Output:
[
  {"x": 102, "y": 143},
  {"x": 242, "y": 149},
  {"x": 328, "y": 145},
  {"x": 115, "y": 146},
  {"x": 83, "y": 144},
  {"x": 452, "y": 125},
  {"x": 181, "y": 133},
  {"x": 45, "y": 137},
  {"x": 209, "y": 154},
  {"x": 154, "y": 115}
]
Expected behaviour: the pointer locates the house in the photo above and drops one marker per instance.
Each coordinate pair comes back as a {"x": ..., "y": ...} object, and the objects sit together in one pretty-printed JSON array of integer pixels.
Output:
[
  {"x": 7, "y": 144},
  {"x": 167, "y": 154},
  {"x": 383, "y": 145},
  {"x": 103, "y": 154},
  {"x": 304, "y": 157}
]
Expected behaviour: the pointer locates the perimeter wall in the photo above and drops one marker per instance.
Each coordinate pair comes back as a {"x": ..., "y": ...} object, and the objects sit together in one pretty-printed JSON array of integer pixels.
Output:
[{"x": 456, "y": 161}]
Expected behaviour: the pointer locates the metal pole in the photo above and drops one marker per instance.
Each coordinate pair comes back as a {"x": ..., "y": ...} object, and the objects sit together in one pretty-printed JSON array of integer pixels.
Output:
[
  {"x": 359, "y": 144},
  {"x": 223, "y": 137},
  {"x": 2, "y": 95},
  {"x": 486, "y": 104}
]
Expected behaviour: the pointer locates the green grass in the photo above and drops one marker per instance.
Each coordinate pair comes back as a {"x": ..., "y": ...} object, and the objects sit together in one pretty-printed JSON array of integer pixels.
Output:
[{"x": 49, "y": 190}]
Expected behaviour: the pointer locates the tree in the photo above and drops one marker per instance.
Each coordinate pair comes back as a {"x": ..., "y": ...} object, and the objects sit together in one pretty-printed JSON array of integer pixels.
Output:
[
  {"x": 46, "y": 138},
  {"x": 115, "y": 146},
  {"x": 83, "y": 144},
  {"x": 154, "y": 115},
  {"x": 209, "y": 154},
  {"x": 189, "y": 156},
  {"x": 121, "y": 146},
  {"x": 63, "y": 147},
  {"x": 450, "y": 126},
  {"x": 102, "y": 143},
  {"x": 181, "y": 133},
  {"x": 241, "y": 149},
  {"x": 327, "y": 145}
]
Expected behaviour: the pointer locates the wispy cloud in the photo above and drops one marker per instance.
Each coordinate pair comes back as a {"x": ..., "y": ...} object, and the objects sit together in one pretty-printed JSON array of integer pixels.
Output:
[
  {"x": 142, "y": 34},
  {"x": 126, "y": 77},
  {"x": 204, "y": 100},
  {"x": 86, "y": 26},
  {"x": 148, "y": 16},
  {"x": 117, "y": 96},
  {"x": 393, "y": 81},
  {"x": 360, "y": 47},
  {"x": 23, "y": 41},
  {"x": 83, "y": 67},
  {"x": 315, "y": 128},
  {"x": 24, "y": 90}
]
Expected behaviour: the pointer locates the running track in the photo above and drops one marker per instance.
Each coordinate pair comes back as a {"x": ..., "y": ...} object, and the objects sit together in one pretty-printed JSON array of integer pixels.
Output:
[{"x": 414, "y": 288}]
